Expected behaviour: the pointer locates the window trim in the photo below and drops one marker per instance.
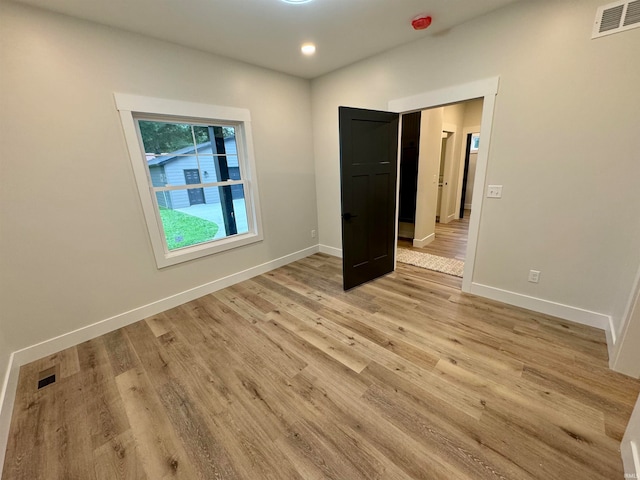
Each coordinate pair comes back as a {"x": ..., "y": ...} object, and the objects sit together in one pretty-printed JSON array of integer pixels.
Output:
[{"x": 134, "y": 107}]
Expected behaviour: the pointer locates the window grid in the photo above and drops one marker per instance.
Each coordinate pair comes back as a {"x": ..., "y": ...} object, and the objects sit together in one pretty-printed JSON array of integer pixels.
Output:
[{"x": 159, "y": 190}]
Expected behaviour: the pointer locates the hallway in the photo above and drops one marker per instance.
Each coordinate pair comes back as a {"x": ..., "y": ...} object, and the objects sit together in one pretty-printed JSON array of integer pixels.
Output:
[{"x": 450, "y": 241}]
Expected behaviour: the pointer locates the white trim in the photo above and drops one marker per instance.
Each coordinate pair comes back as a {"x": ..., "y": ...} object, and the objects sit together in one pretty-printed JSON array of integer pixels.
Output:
[
  {"x": 334, "y": 252},
  {"x": 630, "y": 457},
  {"x": 487, "y": 89},
  {"x": 451, "y": 217},
  {"x": 632, "y": 303},
  {"x": 610, "y": 331},
  {"x": 7, "y": 399},
  {"x": 397, "y": 210},
  {"x": 567, "y": 312},
  {"x": 444, "y": 96},
  {"x": 423, "y": 242},
  {"x": 70, "y": 339},
  {"x": 163, "y": 106},
  {"x": 130, "y": 108},
  {"x": 51, "y": 346}
]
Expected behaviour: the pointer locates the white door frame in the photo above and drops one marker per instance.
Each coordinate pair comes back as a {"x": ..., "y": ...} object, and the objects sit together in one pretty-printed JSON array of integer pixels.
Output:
[
  {"x": 623, "y": 349},
  {"x": 486, "y": 89}
]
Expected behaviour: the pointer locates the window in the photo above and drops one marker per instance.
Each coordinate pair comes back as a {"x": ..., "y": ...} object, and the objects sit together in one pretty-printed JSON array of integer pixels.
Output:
[
  {"x": 475, "y": 143},
  {"x": 194, "y": 169}
]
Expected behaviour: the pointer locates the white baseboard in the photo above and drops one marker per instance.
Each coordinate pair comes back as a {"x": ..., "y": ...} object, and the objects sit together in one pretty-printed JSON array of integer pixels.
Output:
[
  {"x": 630, "y": 459},
  {"x": 612, "y": 339},
  {"x": 67, "y": 340},
  {"x": 467, "y": 206},
  {"x": 334, "y": 252},
  {"x": 423, "y": 242},
  {"x": 567, "y": 312},
  {"x": 51, "y": 346},
  {"x": 8, "y": 392}
]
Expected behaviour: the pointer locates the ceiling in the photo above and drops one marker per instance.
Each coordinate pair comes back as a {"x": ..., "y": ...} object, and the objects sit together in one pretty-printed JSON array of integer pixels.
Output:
[{"x": 269, "y": 33}]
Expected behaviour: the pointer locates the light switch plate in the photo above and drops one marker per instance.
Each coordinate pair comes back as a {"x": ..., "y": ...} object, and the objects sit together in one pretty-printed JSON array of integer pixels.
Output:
[{"x": 494, "y": 191}]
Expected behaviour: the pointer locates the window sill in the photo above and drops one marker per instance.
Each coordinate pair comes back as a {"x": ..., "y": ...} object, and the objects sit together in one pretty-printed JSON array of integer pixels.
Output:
[{"x": 198, "y": 251}]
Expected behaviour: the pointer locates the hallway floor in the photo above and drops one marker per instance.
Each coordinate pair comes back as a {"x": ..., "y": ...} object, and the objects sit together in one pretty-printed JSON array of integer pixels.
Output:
[{"x": 450, "y": 241}]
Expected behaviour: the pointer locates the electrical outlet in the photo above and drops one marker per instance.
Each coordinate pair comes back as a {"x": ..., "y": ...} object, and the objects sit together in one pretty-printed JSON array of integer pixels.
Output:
[
  {"x": 534, "y": 276},
  {"x": 313, "y": 234},
  {"x": 494, "y": 191}
]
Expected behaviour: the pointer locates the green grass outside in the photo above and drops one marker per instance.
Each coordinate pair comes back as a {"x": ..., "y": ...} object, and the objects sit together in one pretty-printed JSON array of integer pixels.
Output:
[{"x": 182, "y": 230}]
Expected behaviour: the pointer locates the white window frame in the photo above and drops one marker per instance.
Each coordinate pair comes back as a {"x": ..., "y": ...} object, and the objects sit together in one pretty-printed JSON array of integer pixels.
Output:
[{"x": 134, "y": 107}]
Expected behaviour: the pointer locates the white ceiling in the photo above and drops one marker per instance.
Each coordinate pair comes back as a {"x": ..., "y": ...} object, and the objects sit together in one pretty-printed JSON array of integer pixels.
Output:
[{"x": 269, "y": 32}]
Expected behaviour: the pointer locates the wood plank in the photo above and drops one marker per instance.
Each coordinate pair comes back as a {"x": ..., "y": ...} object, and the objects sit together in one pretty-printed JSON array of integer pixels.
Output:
[
  {"x": 160, "y": 451},
  {"x": 106, "y": 417},
  {"x": 288, "y": 376},
  {"x": 121, "y": 355},
  {"x": 119, "y": 459},
  {"x": 66, "y": 430}
]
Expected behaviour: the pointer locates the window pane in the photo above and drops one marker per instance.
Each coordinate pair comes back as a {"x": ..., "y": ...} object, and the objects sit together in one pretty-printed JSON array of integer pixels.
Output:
[
  {"x": 203, "y": 140},
  {"x": 230, "y": 146},
  {"x": 161, "y": 138},
  {"x": 181, "y": 227},
  {"x": 197, "y": 215},
  {"x": 234, "y": 167},
  {"x": 208, "y": 168},
  {"x": 239, "y": 207},
  {"x": 224, "y": 139},
  {"x": 158, "y": 176}
]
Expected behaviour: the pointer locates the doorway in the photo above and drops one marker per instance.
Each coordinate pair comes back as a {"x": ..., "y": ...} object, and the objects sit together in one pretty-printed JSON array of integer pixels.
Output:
[
  {"x": 486, "y": 90},
  {"x": 435, "y": 234}
]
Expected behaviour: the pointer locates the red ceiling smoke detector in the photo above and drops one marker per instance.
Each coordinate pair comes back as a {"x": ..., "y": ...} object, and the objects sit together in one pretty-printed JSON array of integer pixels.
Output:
[{"x": 421, "y": 22}]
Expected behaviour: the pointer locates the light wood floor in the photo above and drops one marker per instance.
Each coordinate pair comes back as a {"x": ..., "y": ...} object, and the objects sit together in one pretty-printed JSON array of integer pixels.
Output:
[
  {"x": 286, "y": 376},
  {"x": 450, "y": 240}
]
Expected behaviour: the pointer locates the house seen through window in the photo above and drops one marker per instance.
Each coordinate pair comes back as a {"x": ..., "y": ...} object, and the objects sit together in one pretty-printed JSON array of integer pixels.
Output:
[
  {"x": 194, "y": 166},
  {"x": 196, "y": 179}
]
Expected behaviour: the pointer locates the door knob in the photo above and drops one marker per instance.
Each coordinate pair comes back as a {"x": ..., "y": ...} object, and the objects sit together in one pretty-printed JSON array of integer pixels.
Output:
[{"x": 348, "y": 216}]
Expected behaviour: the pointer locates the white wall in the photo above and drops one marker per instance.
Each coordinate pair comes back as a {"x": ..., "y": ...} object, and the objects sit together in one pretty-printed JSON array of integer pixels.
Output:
[
  {"x": 75, "y": 249},
  {"x": 428, "y": 172},
  {"x": 472, "y": 114},
  {"x": 453, "y": 122},
  {"x": 564, "y": 145}
]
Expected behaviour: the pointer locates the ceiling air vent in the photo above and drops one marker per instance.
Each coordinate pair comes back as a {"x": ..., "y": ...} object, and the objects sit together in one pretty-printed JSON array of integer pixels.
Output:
[{"x": 616, "y": 17}]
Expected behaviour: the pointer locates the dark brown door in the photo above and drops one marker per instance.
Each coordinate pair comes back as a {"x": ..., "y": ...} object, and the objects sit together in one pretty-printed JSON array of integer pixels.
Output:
[
  {"x": 192, "y": 177},
  {"x": 368, "y": 167},
  {"x": 465, "y": 177}
]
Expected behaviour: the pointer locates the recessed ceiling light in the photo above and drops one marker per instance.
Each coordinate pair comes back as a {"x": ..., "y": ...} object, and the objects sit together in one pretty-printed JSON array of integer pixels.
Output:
[
  {"x": 296, "y": 2},
  {"x": 308, "y": 48}
]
